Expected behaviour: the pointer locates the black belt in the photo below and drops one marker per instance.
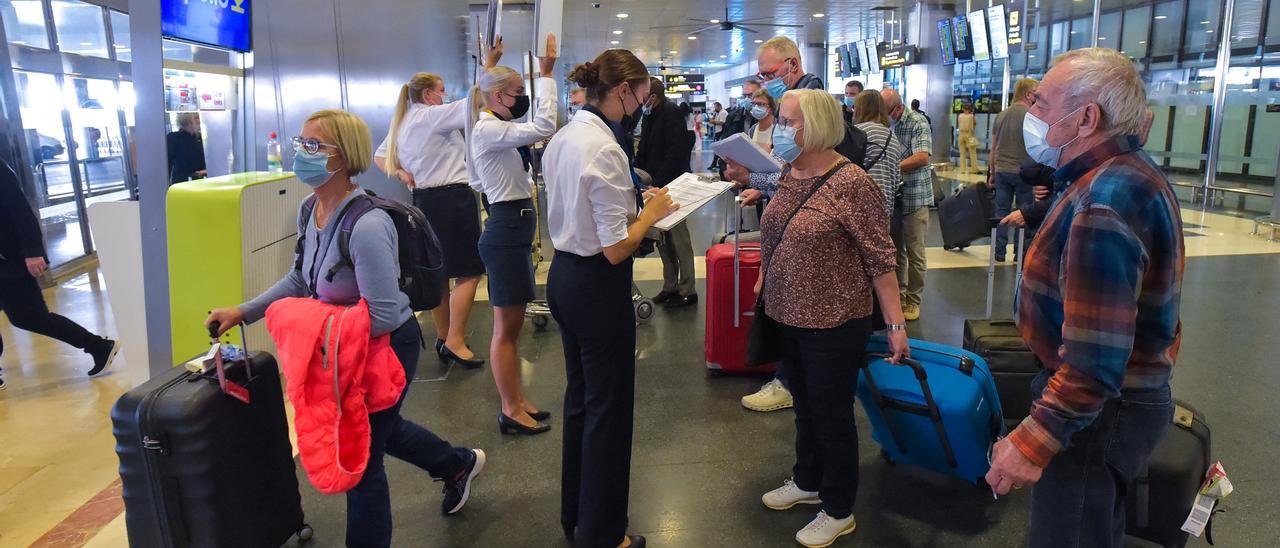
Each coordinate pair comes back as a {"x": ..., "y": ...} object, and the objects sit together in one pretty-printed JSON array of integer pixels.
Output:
[
  {"x": 512, "y": 208},
  {"x": 442, "y": 187}
]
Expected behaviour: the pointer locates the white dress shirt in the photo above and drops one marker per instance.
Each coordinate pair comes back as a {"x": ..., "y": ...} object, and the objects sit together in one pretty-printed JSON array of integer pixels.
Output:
[
  {"x": 431, "y": 147},
  {"x": 590, "y": 197},
  {"x": 496, "y": 167}
]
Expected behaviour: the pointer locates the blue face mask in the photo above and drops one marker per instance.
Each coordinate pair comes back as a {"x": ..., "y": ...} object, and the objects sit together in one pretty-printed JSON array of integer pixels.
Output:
[
  {"x": 784, "y": 143},
  {"x": 848, "y": 101},
  {"x": 647, "y": 110},
  {"x": 758, "y": 112},
  {"x": 312, "y": 169},
  {"x": 776, "y": 87}
]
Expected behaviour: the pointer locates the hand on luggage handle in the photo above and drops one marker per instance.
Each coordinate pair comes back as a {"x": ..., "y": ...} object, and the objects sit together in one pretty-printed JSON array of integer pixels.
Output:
[{"x": 244, "y": 346}]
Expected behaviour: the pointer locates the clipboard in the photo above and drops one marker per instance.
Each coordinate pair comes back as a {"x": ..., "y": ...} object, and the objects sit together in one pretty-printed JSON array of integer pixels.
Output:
[
  {"x": 548, "y": 18},
  {"x": 746, "y": 153},
  {"x": 495, "y": 22}
]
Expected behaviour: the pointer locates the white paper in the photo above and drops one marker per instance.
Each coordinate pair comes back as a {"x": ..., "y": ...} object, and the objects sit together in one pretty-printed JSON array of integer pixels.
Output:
[
  {"x": 690, "y": 193},
  {"x": 548, "y": 18},
  {"x": 746, "y": 153},
  {"x": 1201, "y": 511}
]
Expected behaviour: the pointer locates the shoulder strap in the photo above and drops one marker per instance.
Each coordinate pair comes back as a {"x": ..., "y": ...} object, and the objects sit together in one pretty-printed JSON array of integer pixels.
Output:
[
  {"x": 883, "y": 149},
  {"x": 304, "y": 216},
  {"x": 350, "y": 214}
]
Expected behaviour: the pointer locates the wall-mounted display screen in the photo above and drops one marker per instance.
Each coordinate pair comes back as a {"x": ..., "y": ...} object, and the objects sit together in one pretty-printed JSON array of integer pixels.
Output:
[
  {"x": 962, "y": 40},
  {"x": 945, "y": 42},
  {"x": 899, "y": 56},
  {"x": 842, "y": 61},
  {"x": 1015, "y": 26},
  {"x": 855, "y": 66},
  {"x": 224, "y": 24},
  {"x": 999, "y": 37},
  {"x": 873, "y": 55},
  {"x": 978, "y": 29}
]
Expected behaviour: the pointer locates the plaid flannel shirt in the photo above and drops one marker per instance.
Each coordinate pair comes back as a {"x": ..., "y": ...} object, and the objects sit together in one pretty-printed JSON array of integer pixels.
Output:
[
  {"x": 1099, "y": 301},
  {"x": 915, "y": 136}
]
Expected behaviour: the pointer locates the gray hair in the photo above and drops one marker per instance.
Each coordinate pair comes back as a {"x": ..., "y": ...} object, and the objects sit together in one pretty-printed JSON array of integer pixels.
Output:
[{"x": 1115, "y": 82}]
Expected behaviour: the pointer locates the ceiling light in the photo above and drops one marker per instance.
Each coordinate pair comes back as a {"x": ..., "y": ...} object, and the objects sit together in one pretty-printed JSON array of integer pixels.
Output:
[
  {"x": 86, "y": 43},
  {"x": 1160, "y": 17},
  {"x": 714, "y": 21},
  {"x": 723, "y": 56},
  {"x": 613, "y": 42},
  {"x": 819, "y": 15},
  {"x": 1102, "y": 37},
  {"x": 1210, "y": 31},
  {"x": 674, "y": 52},
  {"x": 1204, "y": 22},
  {"x": 617, "y": 32},
  {"x": 759, "y": 41},
  {"x": 693, "y": 37},
  {"x": 20, "y": 42},
  {"x": 623, "y": 15},
  {"x": 1142, "y": 41}
]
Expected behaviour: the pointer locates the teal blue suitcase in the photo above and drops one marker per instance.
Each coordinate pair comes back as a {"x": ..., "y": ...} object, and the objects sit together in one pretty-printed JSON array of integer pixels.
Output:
[{"x": 939, "y": 410}]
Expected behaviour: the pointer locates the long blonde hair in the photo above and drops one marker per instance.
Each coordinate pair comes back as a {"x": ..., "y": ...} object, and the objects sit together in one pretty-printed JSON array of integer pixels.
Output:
[{"x": 410, "y": 92}]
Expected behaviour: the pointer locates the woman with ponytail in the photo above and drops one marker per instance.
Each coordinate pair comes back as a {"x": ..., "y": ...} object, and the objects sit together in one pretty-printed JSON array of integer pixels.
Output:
[
  {"x": 591, "y": 210},
  {"x": 425, "y": 150},
  {"x": 497, "y": 101}
]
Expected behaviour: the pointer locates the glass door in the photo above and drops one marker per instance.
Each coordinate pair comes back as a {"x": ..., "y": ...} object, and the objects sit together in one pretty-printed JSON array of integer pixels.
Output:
[{"x": 50, "y": 165}]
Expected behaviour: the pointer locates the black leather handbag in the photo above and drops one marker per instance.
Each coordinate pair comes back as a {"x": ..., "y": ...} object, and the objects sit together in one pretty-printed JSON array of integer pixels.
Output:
[{"x": 764, "y": 339}]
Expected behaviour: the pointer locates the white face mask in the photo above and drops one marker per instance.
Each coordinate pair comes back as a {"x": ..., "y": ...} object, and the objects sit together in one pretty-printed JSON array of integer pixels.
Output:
[{"x": 1035, "y": 133}]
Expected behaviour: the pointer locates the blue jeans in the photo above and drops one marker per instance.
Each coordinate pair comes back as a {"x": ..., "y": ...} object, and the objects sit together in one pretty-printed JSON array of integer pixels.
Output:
[
  {"x": 1079, "y": 501},
  {"x": 369, "y": 502},
  {"x": 1009, "y": 187}
]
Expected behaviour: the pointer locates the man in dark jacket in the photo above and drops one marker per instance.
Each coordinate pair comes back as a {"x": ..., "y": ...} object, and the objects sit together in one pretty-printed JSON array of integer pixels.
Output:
[
  {"x": 665, "y": 153},
  {"x": 186, "y": 149},
  {"x": 22, "y": 261}
]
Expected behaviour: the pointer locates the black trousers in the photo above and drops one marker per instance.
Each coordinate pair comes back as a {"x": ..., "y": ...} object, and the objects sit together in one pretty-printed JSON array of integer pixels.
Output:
[
  {"x": 22, "y": 301},
  {"x": 590, "y": 300},
  {"x": 820, "y": 366}
]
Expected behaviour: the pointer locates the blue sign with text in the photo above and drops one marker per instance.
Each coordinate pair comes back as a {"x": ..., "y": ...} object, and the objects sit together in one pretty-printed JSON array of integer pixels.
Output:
[{"x": 222, "y": 23}]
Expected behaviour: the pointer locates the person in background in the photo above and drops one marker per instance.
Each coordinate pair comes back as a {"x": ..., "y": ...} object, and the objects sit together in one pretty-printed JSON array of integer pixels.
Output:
[
  {"x": 762, "y": 108},
  {"x": 1099, "y": 305},
  {"x": 851, "y": 90},
  {"x": 915, "y": 107},
  {"x": 665, "y": 156},
  {"x": 497, "y": 99},
  {"x": 824, "y": 239},
  {"x": 966, "y": 123},
  {"x": 716, "y": 119},
  {"x": 577, "y": 98},
  {"x": 185, "y": 148},
  {"x": 740, "y": 120},
  {"x": 1009, "y": 152},
  {"x": 917, "y": 195},
  {"x": 333, "y": 147},
  {"x": 425, "y": 150},
  {"x": 780, "y": 70},
  {"x": 1040, "y": 178},
  {"x": 882, "y": 147},
  {"x": 22, "y": 262},
  {"x": 591, "y": 212},
  {"x": 689, "y": 124}
]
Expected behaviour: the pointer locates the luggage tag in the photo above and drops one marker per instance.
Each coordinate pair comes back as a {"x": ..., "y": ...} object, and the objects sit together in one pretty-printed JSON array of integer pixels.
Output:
[
  {"x": 215, "y": 354},
  {"x": 1215, "y": 488}
]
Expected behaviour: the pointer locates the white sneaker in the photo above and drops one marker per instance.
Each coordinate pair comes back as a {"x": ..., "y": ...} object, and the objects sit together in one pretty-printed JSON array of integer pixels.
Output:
[
  {"x": 771, "y": 397},
  {"x": 824, "y": 530},
  {"x": 789, "y": 495}
]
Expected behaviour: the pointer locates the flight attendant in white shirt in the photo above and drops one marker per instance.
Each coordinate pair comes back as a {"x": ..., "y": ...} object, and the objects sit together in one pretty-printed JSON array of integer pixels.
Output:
[
  {"x": 497, "y": 100},
  {"x": 595, "y": 228},
  {"x": 425, "y": 150}
]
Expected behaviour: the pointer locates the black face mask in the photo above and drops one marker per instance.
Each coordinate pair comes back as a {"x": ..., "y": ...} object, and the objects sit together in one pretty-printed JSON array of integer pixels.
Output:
[
  {"x": 520, "y": 108},
  {"x": 629, "y": 121}
]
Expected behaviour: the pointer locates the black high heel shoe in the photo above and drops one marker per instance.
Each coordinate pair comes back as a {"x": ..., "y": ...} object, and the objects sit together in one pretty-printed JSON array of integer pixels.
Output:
[
  {"x": 440, "y": 349},
  {"x": 510, "y": 426},
  {"x": 449, "y": 357},
  {"x": 540, "y": 415}
]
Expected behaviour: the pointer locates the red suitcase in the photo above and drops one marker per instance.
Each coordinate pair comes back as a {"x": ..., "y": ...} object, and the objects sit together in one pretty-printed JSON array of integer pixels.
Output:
[{"x": 732, "y": 270}]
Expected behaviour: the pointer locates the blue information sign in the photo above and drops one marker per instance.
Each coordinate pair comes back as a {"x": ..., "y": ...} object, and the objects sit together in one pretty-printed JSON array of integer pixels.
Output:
[{"x": 222, "y": 23}]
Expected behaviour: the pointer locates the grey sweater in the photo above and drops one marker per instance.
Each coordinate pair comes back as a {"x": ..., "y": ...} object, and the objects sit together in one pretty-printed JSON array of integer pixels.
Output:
[{"x": 374, "y": 251}]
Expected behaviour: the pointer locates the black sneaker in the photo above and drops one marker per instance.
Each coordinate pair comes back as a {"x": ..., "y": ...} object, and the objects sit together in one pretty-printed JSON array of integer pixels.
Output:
[
  {"x": 682, "y": 301},
  {"x": 458, "y": 489},
  {"x": 103, "y": 354},
  {"x": 662, "y": 297}
]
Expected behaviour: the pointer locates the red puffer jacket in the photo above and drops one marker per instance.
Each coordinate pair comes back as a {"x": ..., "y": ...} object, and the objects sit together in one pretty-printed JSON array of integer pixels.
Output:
[{"x": 327, "y": 357}]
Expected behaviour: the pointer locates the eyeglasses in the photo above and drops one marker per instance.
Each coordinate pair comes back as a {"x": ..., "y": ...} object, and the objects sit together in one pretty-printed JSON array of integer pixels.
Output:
[
  {"x": 310, "y": 145},
  {"x": 786, "y": 122},
  {"x": 772, "y": 73}
]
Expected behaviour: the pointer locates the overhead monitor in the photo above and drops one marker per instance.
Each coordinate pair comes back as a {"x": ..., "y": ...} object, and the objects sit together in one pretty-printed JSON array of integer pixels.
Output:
[
  {"x": 854, "y": 64},
  {"x": 962, "y": 42},
  {"x": 999, "y": 35},
  {"x": 222, "y": 24},
  {"x": 842, "y": 61},
  {"x": 978, "y": 29},
  {"x": 946, "y": 43},
  {"x": 899, "y": 56},
  {"x": 863, "y": 62},
  {"x": 873, "y": 55},
  {"x": 1015, "y": 25}
]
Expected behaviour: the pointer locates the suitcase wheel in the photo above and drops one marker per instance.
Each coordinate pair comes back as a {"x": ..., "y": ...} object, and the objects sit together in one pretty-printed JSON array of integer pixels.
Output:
[
  {"x": 540, "y": 321},
  {"x": 306, "y": 533},
  {"x": 644, "y": 310}
]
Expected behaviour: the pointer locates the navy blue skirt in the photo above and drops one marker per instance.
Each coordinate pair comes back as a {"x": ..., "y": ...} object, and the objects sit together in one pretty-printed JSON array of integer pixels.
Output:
[
  {"x": 506, "y": 247},
  {"x": 455, "y": 217}
]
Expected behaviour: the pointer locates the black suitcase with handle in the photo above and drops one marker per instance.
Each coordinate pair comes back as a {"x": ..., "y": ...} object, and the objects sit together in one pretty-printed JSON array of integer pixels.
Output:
[
  {"x": 1162, "y": 497},
  {"x": 201, "y": 467},
  {"x": 966, "y": 216}
]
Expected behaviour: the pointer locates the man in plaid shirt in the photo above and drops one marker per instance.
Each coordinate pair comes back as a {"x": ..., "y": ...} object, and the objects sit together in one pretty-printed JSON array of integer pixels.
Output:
[
  {"x": 1099, "y": 305},
  {"x": 913, "y": 132}
]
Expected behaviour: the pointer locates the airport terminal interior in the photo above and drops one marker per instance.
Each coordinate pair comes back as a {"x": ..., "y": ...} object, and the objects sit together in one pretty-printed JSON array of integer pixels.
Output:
[{"x": 101, "y": 95}]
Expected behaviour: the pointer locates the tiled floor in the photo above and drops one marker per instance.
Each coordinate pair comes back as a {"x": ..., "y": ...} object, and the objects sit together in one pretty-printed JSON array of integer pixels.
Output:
[{"x": 700, "y": 461}]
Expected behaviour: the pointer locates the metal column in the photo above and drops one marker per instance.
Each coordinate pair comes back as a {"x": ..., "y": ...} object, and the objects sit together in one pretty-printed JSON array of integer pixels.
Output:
[
  {"x": 1097, "y": 20},
  {"x": 153, "y": 180},
  {"x": 1219, "y": 99}
]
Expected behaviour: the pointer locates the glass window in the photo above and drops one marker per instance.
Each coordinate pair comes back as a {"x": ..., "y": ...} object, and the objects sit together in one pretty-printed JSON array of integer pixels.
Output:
[
  {"x": 1081, "y": 33},
  {"x": 1245, "y": 23},
  {"x": 1059, "y": 43},
  {"x": 1167, "y": 29},
  {"x": 80, "y": 28},
  {"x": 1273, "y": 24},
  {"x": 120, "y": 36},
  {"x": 1109, "y": 30},
  {"x": 1137, "y": 22},
  {"x": 24, "y": 23},
  {"x": 1202, "y": 26}
]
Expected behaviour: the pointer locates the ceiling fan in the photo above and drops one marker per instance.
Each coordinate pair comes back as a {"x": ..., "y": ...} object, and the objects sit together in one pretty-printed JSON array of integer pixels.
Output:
[{"x": 703, "y": 25}]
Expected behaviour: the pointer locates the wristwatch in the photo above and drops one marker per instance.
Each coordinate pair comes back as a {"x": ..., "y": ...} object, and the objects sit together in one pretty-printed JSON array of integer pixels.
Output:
[{"x": 896, "y": 327}]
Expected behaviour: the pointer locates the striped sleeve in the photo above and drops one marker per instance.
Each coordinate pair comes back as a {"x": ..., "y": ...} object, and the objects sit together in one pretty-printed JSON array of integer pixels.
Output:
[{"x": 1102, "y": 271}]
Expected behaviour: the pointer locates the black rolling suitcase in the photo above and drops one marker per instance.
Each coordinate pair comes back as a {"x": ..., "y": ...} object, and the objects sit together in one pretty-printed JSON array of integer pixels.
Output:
[
  {"x": 201, "y": 467},
  {"x": 1000, "y": 343},
  {"x": 966, "y": 216},
  {"x": 1161, "y": 499}
]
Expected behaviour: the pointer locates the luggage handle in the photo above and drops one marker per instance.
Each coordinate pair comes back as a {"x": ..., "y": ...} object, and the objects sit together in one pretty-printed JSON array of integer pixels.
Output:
[
  {"x": 991, "y": 265},
  {"x": 244, "y": 344},
  {"x": 929, "y": 410},
  {"x": 737, "y": 265},
  {"x": 230, "y": 387}
]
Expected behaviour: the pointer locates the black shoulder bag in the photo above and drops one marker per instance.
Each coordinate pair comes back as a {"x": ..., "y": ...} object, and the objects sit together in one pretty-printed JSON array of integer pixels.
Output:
[{"x": 764, "y": 341}]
